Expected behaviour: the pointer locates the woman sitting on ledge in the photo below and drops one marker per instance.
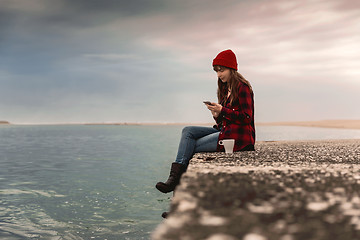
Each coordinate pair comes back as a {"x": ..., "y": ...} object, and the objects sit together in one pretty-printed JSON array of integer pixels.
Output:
[{"x": 234, "y": 116}]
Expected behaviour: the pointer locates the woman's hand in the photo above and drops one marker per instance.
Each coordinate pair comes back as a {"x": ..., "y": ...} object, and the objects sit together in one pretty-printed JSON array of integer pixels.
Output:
[{"x": 215, "y": 109}]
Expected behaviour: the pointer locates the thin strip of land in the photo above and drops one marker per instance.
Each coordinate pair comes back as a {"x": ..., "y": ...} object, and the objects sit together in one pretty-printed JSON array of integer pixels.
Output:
[{"x": 347, "y": 124}]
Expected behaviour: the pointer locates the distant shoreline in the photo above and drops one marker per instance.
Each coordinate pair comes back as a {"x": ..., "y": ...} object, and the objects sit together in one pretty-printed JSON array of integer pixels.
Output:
[{"x": 343, "y": 124}]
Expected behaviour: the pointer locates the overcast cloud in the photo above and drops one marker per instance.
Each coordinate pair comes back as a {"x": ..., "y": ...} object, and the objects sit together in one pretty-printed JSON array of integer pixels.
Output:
[{"x": 150, "y": 61}]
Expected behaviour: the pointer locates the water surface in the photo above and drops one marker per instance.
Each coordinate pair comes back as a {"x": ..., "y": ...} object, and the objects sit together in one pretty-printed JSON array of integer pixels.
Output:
[{"x": 97, "y": 182}]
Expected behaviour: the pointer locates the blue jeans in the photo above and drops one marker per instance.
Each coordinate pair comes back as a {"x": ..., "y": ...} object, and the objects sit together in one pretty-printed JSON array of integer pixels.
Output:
[{"x": 196, "y": 139}]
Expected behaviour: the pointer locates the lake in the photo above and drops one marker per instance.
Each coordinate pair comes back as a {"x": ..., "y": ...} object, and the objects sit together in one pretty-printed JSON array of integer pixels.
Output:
[{"x": 97, "y": 181}]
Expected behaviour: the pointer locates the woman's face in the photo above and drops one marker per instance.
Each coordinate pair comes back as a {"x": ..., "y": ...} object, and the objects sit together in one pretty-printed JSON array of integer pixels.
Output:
[{"x": 223, "y": 73}]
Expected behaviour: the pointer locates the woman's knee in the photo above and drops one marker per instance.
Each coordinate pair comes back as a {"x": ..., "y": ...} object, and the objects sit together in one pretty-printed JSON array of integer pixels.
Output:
[
  {"x": 187, "y": 129},
  {"x": 189, "y": 132}
]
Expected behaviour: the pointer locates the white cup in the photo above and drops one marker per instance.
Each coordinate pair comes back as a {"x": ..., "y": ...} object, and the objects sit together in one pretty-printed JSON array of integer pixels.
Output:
[{"x": 228, "y": 145}]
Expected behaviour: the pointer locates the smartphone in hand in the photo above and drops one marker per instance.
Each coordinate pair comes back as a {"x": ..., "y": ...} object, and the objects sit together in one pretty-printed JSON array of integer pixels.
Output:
[{"x": 207, "y": 102}]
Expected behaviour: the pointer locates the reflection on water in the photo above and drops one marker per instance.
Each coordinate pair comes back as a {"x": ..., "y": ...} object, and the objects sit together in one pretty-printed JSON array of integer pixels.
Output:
[
  {"x": 82, "y": 182},
  {"x": 96, "y": 182},
  {"x": 29, "y": 220}
]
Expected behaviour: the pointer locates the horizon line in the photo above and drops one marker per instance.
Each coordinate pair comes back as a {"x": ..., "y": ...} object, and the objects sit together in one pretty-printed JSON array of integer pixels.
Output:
[{"x": 338, "y": 123}]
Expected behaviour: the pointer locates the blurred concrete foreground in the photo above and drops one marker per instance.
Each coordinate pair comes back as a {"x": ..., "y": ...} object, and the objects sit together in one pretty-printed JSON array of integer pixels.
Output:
[{"x": 282, "y": 191}]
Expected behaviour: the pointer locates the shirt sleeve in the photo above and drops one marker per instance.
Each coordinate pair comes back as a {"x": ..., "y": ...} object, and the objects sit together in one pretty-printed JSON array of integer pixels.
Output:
[
  {"x": 218, "y": 119},
  {"x": 242, "y": 113}
]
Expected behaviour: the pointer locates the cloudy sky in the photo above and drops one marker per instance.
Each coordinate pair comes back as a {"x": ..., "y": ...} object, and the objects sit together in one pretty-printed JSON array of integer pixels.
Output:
[{"x": 150, "y": 61}]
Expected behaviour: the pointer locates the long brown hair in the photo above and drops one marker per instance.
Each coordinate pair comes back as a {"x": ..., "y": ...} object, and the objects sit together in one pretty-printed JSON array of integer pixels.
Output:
[{"x": 233, "y": 84}]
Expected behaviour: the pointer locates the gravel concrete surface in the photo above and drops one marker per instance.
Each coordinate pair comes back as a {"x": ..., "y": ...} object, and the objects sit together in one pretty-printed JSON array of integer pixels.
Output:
[{"x": 283, "y": 190}]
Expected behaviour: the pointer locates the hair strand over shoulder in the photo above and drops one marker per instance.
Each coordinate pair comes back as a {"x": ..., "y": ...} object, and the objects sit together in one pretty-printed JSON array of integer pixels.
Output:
[{"x": 235, "y": 79}]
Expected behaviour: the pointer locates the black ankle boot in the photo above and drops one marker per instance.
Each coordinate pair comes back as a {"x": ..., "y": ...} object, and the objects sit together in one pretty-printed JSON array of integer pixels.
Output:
[{"x": 176, "y": 171}]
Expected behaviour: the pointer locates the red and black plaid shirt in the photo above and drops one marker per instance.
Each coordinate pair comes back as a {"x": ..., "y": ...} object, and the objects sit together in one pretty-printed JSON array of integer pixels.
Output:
[{"x": 236, "y": 121}]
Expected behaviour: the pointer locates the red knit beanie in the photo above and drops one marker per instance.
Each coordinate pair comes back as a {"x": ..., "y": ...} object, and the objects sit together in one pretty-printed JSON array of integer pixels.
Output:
[{"x": 226, "y": 58}]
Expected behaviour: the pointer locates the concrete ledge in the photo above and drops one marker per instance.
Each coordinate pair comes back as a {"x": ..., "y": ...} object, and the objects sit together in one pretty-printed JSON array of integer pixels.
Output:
[{"x": 283, "y": 190}]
